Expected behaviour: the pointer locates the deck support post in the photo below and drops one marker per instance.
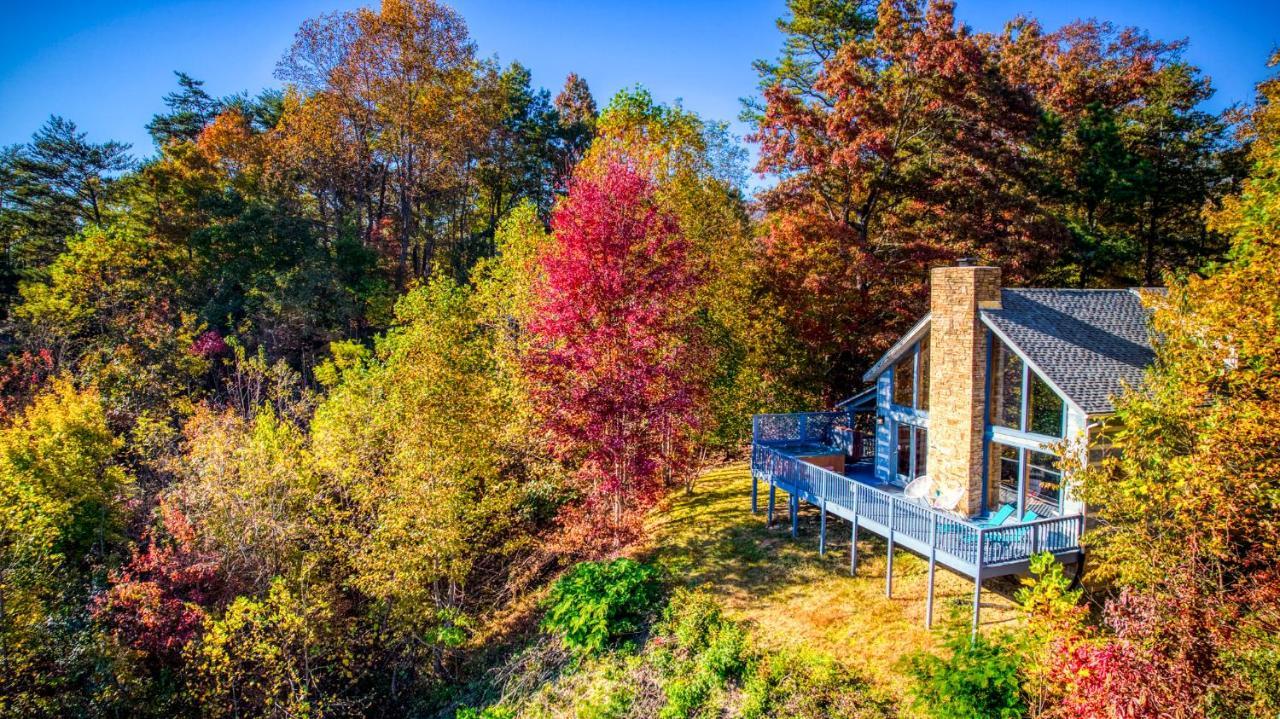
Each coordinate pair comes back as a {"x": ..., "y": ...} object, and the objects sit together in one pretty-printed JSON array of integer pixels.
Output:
[
  {"x": 933, "y": 564},
  {"x": 755, "y": 493},
  {"x": 977, "y": 602},
  {"x": 977, "y": 582},
  {"x": 853, "y": 547},
  {"x": 822, "y": 531},
  {"x": 853, "y": 536},
  {"x": 773, "y": 497},
  {"x": 795, "y": 516},
  {"x": 888, "y": 570}
]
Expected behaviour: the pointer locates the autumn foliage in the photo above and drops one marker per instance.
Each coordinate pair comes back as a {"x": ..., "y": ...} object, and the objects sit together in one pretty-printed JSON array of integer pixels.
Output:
[
  {"x": 159, "y": 600},
  {"x": 919, "y": 141},
  {"x": 1187, "y": 507},
  {"x": 615, "y": 348},
  {"x": 302, "y": 405}
]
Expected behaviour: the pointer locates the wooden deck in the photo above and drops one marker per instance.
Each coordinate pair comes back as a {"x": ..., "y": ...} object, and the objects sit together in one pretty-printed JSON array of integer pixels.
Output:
[{"x": 964, "y": 546}]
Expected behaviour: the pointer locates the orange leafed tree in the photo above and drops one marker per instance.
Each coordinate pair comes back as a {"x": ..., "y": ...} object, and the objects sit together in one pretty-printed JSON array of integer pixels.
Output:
[
  {"x": 394, "y": 102},
  {"x": 910, "y": 153}
]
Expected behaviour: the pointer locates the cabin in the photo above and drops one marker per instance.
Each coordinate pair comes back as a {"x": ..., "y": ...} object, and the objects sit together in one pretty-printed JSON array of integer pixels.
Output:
[{"x": 952, "y": 451}]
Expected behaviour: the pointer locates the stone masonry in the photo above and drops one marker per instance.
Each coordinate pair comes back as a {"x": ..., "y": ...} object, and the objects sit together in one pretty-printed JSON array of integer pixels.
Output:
[{"x": 957, "y": 377}]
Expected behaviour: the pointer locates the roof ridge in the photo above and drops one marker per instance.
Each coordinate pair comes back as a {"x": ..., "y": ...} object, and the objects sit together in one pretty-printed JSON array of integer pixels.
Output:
[{"x": 1080, "y": 290}]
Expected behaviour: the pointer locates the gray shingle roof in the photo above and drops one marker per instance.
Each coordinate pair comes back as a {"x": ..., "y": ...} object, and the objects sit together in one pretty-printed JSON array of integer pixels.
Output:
[{"x": 1088, "y": 343}]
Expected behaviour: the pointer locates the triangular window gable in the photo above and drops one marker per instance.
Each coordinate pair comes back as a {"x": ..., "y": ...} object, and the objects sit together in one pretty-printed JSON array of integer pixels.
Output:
[
  {"x": 911, "y": 377},
  {"x": 1019, "y": 398}
]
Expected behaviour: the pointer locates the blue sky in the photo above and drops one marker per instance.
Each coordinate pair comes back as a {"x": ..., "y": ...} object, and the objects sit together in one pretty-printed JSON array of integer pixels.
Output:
[{"x": 106, "y": 65}]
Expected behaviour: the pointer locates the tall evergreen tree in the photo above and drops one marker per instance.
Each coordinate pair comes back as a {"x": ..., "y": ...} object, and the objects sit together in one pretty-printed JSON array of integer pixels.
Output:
[
  {"x": 51, "y": 187},
  {"x": 190, "y": 109},
  {"x": 577, "y": 112},
  {"x": 813, "y": 32}
]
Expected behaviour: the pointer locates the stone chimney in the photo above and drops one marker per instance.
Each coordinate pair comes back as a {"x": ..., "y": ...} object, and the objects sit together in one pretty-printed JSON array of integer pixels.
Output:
[{"x": 957, "y": 376}]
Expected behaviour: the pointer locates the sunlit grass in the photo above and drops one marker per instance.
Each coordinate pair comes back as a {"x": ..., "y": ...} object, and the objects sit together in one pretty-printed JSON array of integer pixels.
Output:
[{"x": 794, "y": 597}]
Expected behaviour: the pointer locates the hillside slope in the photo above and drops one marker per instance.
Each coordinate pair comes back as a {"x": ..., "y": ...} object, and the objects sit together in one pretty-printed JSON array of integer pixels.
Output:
[
  {"x": 790, "y": 595},
  {"x": 810, "y": 640}
]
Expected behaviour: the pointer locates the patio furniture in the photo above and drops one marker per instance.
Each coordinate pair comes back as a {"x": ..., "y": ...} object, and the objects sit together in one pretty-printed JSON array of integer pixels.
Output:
[
  {"x": 920, "y": 488},
  {"x": 947, "y": 499},
  {"x": 1016, "y": 535},
  {"x": 1000, "y": 517}
]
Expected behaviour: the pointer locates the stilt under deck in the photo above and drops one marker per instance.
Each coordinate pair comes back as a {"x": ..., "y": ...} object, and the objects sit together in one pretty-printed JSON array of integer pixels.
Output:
[{"x": 961, "y": 545}]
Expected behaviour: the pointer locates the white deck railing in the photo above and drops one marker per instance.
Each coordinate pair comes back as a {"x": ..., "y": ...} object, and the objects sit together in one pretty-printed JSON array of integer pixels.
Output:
[{"x": 966, "y": 545}]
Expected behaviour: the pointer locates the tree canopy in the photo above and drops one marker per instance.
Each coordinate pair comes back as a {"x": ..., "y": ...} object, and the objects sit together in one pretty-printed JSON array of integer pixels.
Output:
[{"x": 304, "y": 407}]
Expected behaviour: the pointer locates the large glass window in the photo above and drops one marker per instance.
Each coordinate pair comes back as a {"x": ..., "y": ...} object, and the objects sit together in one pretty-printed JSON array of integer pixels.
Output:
[
  {"x": 1044, "y": 483},
  {"x": 913, "y": 451},
  {"x": 1005, "y": 401},
  {"x": 904, "y": 449},
  {"x": 904, "y": 381},
  {"x": 1007, "y": 484},
  {"x": 911, "y": 377},
  {"x": 1046, "y": 408},
  {"x": 922, "y": 451},
  {"x": 1026, "y": 471},
  {"x": 1042, "y": 411}
]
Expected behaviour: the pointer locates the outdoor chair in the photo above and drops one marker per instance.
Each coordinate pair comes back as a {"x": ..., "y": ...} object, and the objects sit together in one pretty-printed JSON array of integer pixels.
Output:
[
  {"x": 1001, "y": 516},
  {"x": 947, "y": 499},
  {"x": 1019, "y": 534},
  {"x": 920, "y": 488}
]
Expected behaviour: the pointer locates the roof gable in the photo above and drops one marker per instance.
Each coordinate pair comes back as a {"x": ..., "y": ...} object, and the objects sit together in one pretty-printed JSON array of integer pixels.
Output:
[
  {"x": 898, "y": 349},
  {"x": 1089, "y": 344}
]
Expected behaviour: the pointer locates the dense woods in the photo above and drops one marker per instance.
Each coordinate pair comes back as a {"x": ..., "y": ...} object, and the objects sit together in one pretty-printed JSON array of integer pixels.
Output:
[{"x": 302, "y": 404}]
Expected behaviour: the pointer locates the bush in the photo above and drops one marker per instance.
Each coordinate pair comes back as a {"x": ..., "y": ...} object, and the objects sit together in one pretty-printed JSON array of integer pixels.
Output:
[
  {"x": 699, "y": 653},
  {"x": 597, "y": 603},
  {"x": 689, "y": 696},
  {"x": 705, "y": 637},
  {"x": 490, "y": 712},
  {"x": 696, "y": 664},
  {"x": 801, "y": 685},
  {"x": 706, "y": 660},
  {"x": 980, "y": 678}
]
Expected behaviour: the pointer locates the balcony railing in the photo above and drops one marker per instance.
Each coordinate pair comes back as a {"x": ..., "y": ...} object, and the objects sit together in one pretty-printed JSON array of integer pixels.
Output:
[
  {"x": 796, "y": 428},
  {"x": 957, "y": 542}
]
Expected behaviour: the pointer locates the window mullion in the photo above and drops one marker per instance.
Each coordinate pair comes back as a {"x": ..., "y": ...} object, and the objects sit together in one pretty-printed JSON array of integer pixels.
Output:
[
  {"x": 911, "y": 461},
  {"x": 1024, "y": 422},
  {"x": 1023, "y": 468},
  {"x": 1023, "y": 455}
]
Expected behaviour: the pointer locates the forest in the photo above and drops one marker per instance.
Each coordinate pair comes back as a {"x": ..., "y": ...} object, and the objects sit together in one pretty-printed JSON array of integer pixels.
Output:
[{"x": 347, "y": 389}]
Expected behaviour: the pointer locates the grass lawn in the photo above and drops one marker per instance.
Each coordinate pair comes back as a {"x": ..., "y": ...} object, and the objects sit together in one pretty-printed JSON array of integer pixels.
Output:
[{"x": 791, "y": 595}]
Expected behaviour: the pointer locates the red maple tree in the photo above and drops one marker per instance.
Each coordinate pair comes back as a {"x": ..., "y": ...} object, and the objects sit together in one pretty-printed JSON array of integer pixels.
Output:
[
  {"x": 159, "y": 600},
  {"x": 615, "y": 366}
]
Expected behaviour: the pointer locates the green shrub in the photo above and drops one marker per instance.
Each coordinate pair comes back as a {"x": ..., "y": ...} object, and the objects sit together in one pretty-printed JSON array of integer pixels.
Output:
[
  {"x": 610, "y": 688},
  {"x": 727, "y": 654},
  {"x": 704, "y": 636},
  {"x": 494, "y": 711},
  {"x": 706, "y": 658},
  {"x": 700, "y": 653},
  {"x": 689, "y": 696},
  {"x": 489, "y": 712},
  {"x": 801, "y": 685},
  {"x": 597, "y": 603},
  {"x": 980, "y": 677},
  {"x": 1257, "y": 665}
]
